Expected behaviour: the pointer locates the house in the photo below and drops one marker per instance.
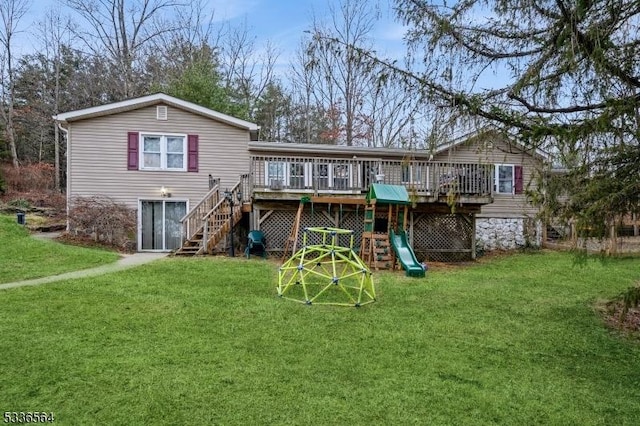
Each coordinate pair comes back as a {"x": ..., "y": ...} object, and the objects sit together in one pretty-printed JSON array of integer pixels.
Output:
[
  {"x": 154, "y": 154},
  {"x": 192, "y": 174}
]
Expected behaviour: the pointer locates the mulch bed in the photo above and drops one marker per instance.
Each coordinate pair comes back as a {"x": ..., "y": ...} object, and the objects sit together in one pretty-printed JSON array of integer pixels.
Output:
[
  {"x": 86, "y": 241},
  {"x": 612, "y": 315}
]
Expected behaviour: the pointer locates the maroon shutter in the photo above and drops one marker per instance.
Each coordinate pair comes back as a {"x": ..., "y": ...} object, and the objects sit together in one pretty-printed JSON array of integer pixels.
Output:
[
  {"x": 192, "y": 153},
  {"x": 132, "y": 151},
  {"x": 517, "y": 179}
]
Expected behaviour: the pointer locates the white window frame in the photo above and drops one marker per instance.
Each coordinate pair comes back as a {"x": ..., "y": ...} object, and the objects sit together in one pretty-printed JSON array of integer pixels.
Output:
[
  {"x": 331, "y": 175},
  {"x": 497, "y": 179},
  {"x": 305, "y": 174},
  {"x": 139, "y": 218},
  {"x": 267, "y": 172},
  {"x": 415, "y": 173},
  {"x": 163, "y": 151}
]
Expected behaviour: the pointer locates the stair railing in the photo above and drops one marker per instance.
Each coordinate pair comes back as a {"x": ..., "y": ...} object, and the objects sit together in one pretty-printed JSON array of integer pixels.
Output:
[
  {"x": 192, "y": 221},
  {"x": 217, "y": 221}
]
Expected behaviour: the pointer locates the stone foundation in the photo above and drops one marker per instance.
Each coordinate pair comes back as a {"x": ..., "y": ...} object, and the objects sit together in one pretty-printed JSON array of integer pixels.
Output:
[{"x": 506, "y": 233}]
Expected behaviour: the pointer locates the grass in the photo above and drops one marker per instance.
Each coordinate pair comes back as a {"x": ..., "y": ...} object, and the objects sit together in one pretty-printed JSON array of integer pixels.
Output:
[
  {"x": 23, "y": 257},
  {"x": 206, "y": 341}
]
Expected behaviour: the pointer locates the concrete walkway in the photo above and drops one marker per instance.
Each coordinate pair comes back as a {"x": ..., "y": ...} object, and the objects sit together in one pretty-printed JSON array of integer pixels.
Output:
[{"x": 126, "y": 262}]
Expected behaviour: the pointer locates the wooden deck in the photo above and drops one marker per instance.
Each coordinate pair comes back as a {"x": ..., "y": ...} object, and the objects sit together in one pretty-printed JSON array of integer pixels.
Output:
[{"x": 348, "y": 180}]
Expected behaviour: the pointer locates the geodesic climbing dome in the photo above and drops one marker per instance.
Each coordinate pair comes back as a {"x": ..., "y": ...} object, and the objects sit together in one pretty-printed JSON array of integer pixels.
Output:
[{"x": 326, "y": 273}]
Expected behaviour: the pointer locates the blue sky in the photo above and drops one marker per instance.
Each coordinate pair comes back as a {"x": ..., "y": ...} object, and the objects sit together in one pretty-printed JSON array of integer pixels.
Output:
[{"x": 282, "y": 22}]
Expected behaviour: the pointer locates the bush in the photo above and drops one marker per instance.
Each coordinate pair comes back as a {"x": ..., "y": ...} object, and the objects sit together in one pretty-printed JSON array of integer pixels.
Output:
[
  {"x": 20, "y": 204},
  {"x": 103, "y": 219},
  {"x": 630, "y": 300},
  {"x": 30, "y": 177}
]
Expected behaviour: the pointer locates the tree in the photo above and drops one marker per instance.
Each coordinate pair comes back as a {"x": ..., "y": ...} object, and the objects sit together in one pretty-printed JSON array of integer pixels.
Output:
[
  {"x": 54, "y": 34},
  {"x": 563, "y": 75},
  {"x": 11, "y": 12},
  {"x": 341, "y": 79},
  {"x": 201, "y": 83},
  {"x": 121, "y": 29},
  {"x": 246, "y": 71},
  {"x": 272, "y": 111}
]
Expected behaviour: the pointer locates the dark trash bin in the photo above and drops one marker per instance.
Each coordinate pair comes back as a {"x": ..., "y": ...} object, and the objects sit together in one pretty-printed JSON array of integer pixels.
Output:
[{"x": 21, "y": 217}]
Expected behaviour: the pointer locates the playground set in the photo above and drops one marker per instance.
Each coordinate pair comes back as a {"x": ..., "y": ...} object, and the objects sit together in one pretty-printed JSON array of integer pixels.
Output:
[
  {"x": 384, "y": 242},
  {"x": 327, "y": 272}
]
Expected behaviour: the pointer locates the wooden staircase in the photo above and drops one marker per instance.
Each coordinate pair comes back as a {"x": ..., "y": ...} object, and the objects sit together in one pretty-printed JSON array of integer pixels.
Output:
[{"x": 209, "y": 222}]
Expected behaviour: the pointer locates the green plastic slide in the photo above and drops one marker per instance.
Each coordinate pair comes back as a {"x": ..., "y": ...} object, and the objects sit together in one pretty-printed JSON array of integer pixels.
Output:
[{"x": 405, "y": 254}]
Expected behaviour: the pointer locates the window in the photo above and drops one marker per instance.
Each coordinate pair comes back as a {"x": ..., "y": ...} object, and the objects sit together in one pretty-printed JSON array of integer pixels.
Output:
[
  {"x": 296, "y": 175},
  {"x": 163, "y": 152},
  {"x": 275, "y": 171},
  {"x": 321, "y": 175},
  {"x": 341, "y": 176},
  {"x": 411, "y": 173},
  {"x": 508, "y": 179}
]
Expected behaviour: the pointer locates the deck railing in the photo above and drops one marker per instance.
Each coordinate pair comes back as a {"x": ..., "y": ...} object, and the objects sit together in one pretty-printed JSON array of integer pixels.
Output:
[{"x": 330, "y": 175}]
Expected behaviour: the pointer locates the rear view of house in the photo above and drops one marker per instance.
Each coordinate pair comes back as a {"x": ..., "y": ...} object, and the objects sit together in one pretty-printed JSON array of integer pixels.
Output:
[{"x": 192, "y": 174}]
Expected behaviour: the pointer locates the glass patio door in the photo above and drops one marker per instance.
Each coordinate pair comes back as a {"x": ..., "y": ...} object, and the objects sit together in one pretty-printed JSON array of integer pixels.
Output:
[{"x": 160, "y": 224}]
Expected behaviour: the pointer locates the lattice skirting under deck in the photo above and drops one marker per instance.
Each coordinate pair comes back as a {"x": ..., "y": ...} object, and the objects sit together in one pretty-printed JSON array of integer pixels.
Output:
[
  {"x": 436, "y": 237},
  {"x": 443, "y": 238}
]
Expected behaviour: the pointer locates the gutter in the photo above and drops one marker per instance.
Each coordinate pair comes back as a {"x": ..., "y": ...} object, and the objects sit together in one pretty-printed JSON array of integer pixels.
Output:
[{"x": 66, "y": 153}]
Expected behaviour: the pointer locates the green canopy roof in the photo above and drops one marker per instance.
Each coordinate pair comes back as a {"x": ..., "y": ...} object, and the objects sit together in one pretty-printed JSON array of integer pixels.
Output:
[{"x": 388, "y": 194}]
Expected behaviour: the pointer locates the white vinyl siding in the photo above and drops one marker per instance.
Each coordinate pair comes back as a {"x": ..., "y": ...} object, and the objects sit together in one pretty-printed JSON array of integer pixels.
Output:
[
  {"x": 98, "y": 156},
  {"x": 500, "y": 151}
]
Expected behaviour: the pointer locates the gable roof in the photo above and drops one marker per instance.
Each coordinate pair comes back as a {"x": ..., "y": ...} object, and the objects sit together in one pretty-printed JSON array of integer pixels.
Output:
[
  {"x": 149, "y": 100},
  {"x": 388, "y": 194},
  {"x": 465, "y": 138}
]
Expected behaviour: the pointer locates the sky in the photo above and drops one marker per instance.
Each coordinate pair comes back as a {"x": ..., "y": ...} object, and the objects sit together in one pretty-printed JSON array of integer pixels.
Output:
[{"x": 281, "y": 22}]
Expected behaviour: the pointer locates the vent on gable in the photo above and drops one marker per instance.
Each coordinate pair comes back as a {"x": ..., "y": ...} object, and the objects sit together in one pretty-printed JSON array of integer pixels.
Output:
[{"x": 161, "y": 112}]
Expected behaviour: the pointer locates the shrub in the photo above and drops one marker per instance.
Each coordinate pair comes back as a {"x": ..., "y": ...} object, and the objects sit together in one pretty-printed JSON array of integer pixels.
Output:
[
  {"x": 630, "y": 299},
  {"x": 30, "y": 177},
  {"x": 20, "y": 204},
  {"x": 103, "y": 219}
]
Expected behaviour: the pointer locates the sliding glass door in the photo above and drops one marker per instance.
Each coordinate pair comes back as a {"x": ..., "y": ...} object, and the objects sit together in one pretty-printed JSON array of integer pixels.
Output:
[{"x": 160, "y": 224}]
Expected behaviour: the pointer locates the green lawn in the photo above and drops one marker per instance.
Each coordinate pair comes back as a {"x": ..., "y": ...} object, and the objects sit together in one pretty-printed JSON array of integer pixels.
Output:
[
  {"x": 511, "y": 341},
  {"x": 23, "y": 257}
]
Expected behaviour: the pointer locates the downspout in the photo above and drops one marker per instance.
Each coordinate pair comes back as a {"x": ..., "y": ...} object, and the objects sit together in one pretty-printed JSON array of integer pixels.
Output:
[{"x": 66, "y": 153}]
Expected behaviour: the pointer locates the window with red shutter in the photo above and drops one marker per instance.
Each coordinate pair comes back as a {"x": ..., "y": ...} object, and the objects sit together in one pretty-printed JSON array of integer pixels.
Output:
[
  {"x": 517, "y": 179},
  {"x": 192, "y": 153},
  {"x": 132, "y": 151}
]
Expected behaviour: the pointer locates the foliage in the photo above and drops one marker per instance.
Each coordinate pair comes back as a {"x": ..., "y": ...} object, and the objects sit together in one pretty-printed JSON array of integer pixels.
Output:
[
  {"x": 362, "y": 106},
  {"x": 102, "y": 218},
  {"x": 20, "y": 203},
  {"x": 30, "y": 177},
  {"x": 570, "y": 85},
  {"x": 23, "y": 257},
  {"x": 194, "y": 341},
  {"x": 630, "y": 299},
  {"x": 200, "y": 83}
]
